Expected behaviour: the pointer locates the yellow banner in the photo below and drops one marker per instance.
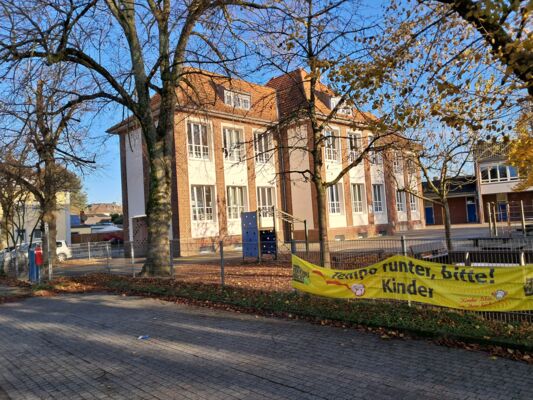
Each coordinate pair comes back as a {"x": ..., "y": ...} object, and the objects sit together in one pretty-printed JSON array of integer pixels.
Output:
[{"x": 409, "y": 279}]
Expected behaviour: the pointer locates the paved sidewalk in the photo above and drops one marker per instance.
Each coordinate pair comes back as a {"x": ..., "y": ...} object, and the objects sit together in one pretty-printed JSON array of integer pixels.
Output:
[
  {"x": 13, "y": 291},
  {"x": 86, "y": 347}
]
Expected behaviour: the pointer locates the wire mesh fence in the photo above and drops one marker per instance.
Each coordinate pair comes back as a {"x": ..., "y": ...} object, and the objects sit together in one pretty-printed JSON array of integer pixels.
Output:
[{"x": 228, "y": 262}]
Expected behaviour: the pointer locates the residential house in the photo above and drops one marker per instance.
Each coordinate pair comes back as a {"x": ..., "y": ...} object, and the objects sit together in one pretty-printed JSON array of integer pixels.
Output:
[
  {"x": 27, "y": 220},
  {"x": 496, "y": 180}
]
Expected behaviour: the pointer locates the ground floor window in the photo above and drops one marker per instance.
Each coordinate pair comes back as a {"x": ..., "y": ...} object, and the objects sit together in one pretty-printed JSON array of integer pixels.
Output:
[
  {"x": 358, "y": 197},
  {"x": 202, "y": 203},
  {"x": 334, "y": 199},
  {"x": 236, "y": 201},
  {"x": 413, "y": 201},
  {"x": 378, "y": 196},
  {"x": 265, "y": 200},
  {"x": 400, "y": 201}
]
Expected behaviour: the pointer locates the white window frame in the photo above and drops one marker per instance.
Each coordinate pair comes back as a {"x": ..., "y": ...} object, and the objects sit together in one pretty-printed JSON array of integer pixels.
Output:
[
  {"x": 265, "y": 200},
  {"x": 413, "y": 201},
  {"x": 236, "y": 201},
  {"x": 202, "y": 211},
  {"x": 335, "y": 199},
  {"x": 400, "y": 201},
  {"x": 332, "y": 145},
  {"x": 233, "y": 143},
  {"x": 397, "y": 162},
  {"x": 199, "y": 147},
  {"x": 262, "y": 147},
  {"x": 237, "y": 100},
  {"x": 355, "y": 145},
  {"x": 378, "y": 203},
  {"x": 358, "y": 198},
  {"x": 374, "y": 156},
  {"x": 498, "y": 167},
  {"x": 344, "y": 108}
]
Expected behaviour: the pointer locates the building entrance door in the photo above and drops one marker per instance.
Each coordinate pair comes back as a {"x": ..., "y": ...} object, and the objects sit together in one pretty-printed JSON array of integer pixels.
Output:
[
  {"x": 471, "y": 210},
  {"x": 430, "y": 218}
]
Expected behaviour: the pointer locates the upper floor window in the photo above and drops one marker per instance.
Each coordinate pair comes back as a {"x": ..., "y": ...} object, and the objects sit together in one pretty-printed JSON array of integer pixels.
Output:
[
  {"x": 375, "y": 158},
  {"x": 233, "y": 144},
  {"x": 237, "y": 100},
  {"x": 344, "y": 108},
  {"x": 334, "y": 200},
  {"x": 198, "y": 140},
  {"x": 397, "y": 162},
  {"x": 332, "y": 146},
  {"x": 263, "y": 147},
  {"x": 373, "y": 155},
  {"x": 355, "y": 145},
  {"x": 411, "y": 166},
  {"x": 498, "y": 173}
]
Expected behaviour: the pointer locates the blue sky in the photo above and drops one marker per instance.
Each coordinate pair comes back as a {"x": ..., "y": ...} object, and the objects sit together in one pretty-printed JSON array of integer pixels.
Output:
[{"x": 104, "y": 184}]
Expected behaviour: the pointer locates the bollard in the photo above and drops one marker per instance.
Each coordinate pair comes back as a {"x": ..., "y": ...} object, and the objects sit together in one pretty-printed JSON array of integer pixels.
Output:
[
  {"x": 404, "y": 245},
  {"x": 221, "y": 246},
  {"x": 32, "y": 273},
  {"x": 468, "y": 263},
  {"x": 522, "y": 259}
]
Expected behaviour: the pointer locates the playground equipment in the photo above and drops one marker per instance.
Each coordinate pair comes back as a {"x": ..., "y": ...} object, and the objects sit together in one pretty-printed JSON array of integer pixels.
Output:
[{"x": 259, "y": 240}]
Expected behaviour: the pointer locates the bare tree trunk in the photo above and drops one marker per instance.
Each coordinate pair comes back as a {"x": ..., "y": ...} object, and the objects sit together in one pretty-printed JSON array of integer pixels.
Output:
[
  {"x": 325, "y": 256},
  {"x": 158, "y": 212},
  {"x": 447, "y": 224}
]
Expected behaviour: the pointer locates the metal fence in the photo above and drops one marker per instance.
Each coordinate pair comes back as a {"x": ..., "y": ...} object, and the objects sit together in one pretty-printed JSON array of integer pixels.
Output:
[
  {"x": 349, "y": 254},
  {"x": 224, "y": 262}
]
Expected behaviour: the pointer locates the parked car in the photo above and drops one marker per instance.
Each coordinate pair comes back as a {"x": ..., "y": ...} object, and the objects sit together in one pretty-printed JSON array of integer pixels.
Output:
[{"x": 63, "y": 252}]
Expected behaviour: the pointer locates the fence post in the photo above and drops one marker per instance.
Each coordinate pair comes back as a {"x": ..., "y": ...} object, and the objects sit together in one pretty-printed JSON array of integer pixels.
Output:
[
  {"x": 221, "y": 246},
  {"x": 50, "y": 257},
  {"x": 306, "y": 239},
  {"x": 404, "y": 245},
  {"x": 489, "y": 212},
  {"x": 495, "y": 215},
  {"x": 16, "y": 262},
  {"x": 523, "y": 218},
  {"x": 522, "y": 259},
  {"x": 275, "y": 232},
  {"x": 508, "y": 210},
  {"x": 107, "y": 256},
  {"x": 132, "y": 253},
  {"x": 259, "y": 253}
]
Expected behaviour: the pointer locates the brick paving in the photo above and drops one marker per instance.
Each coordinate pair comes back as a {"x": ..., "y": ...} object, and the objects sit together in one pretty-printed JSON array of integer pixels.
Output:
[{"x": 86, "y": 347}]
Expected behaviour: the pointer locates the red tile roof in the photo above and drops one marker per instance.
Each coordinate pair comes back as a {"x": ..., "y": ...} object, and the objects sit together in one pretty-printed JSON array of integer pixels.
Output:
[{"x": 293, "y": 91}]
